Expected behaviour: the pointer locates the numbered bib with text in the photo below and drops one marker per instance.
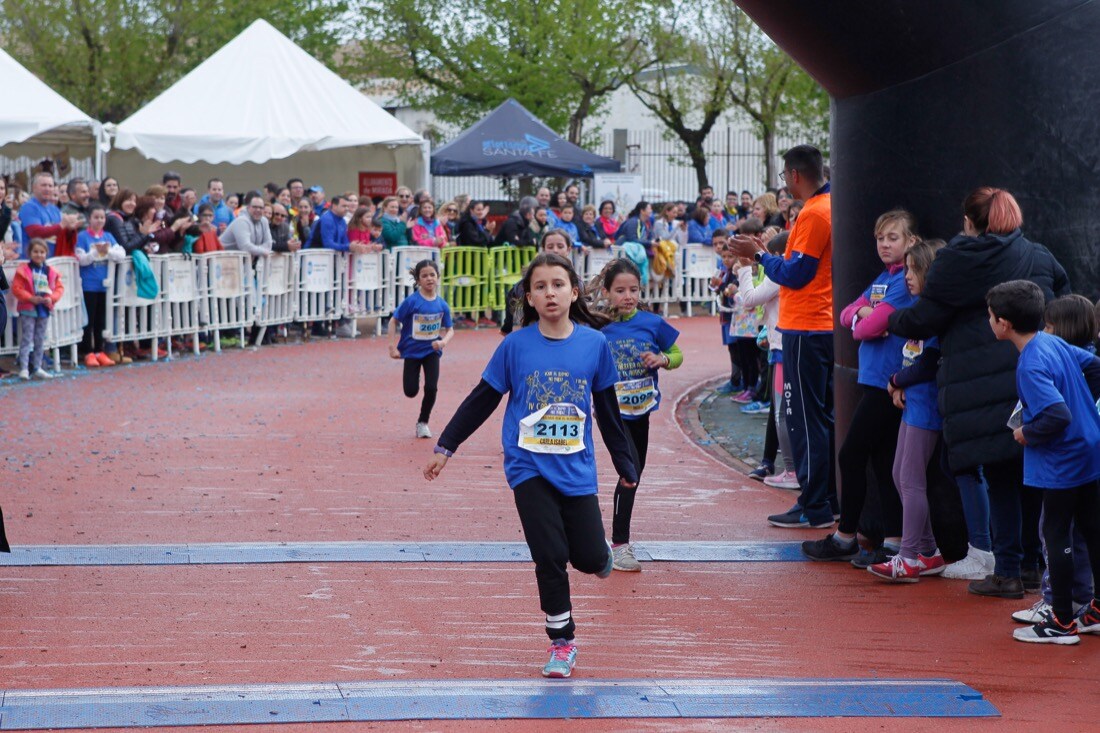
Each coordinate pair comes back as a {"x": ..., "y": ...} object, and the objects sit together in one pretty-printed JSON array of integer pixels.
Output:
[
  {"x": 557, "y": 428},
  {"x": 636, "y": 396},
  {"x": 426, "y": 326}
]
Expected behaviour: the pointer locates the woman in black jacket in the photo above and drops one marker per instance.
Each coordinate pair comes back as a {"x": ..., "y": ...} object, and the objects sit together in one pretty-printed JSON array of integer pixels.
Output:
[
  {"x": 977, "y": 375},
  {"x": 472, "y": 228}
]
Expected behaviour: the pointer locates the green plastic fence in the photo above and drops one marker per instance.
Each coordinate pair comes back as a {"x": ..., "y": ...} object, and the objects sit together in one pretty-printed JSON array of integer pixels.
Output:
[
  {"x": 466, "y": 279},
  {"x": 507, "y": 265}
]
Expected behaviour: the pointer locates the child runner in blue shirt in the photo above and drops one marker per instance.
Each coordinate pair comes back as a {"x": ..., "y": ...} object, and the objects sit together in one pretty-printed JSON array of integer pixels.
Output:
[
  {"x": 94, "y": 249},
  {"x": 873, "y": 432},
  {"x": 642, "y": 344},
  {"x": 423, "y": 322},
  {"x": 913, "y": 390},
  {"x": 1059, "y": 428},
  {"x": 555, "y": 371}
]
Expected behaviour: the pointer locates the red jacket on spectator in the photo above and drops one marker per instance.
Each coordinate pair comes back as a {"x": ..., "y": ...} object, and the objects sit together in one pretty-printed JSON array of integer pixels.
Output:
[{"x": 22, "y": 287}]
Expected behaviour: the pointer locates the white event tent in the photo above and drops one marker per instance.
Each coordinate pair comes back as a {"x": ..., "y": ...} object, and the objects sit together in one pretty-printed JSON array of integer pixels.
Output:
[
  {"x": 36, "y": 122},
  {"x": 262, "y": 109}
]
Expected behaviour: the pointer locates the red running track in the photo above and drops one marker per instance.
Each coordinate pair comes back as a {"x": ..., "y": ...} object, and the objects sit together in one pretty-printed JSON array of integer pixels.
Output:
[{"x": 313, "y": 443}]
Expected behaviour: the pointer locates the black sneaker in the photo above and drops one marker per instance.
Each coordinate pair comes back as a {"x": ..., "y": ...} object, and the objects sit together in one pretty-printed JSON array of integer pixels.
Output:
[
  {"x": 1048, "y": 631},
  {"x": 791, "y": 519},
  {"x": 762, "y": 471},
  {"x": 1032, "y": 578},
  {"x": 829, "y": 548},
  {"x": 997, "y": 586},
  {"x": 867, "y": 558}
]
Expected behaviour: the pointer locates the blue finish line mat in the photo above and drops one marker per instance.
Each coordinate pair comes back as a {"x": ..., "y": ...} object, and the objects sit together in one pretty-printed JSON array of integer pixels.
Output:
[
  {"x": 136, "y": 707},
  {"x": 370, "y": 552}
]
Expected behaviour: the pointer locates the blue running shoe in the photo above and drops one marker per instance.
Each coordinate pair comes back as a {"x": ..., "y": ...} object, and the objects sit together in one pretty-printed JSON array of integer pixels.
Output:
[
  {"x": 756, "y": 408},
  {"x": 563, "y": 657},
  {"x": 762, "y": 471},
  {"x": 726, "y": 388},
  {"x": 606, "y": 572}
]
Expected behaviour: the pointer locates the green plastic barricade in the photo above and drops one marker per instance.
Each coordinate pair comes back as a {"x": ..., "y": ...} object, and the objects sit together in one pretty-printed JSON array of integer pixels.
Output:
[
  {"x": 466, "y": 279},
  {"x": 507, "y": 265}
]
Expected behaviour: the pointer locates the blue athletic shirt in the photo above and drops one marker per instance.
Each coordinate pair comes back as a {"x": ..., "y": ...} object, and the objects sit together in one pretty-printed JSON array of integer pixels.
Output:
[
  {"x": 642, "y": 332},
  {"x": 421, "y": 322},
  {"x": 1050, "y": 372},
  {"x": 921, "y": 400},
  {"x": 93, "y": 275},
  {"x": 881, "y": 357},
  {"x": 535, "y": 372}
]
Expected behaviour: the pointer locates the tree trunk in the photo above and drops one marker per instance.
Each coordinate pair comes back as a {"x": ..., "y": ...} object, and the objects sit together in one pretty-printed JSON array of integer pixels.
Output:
[
  {"x": 698, "y": 159},
  {"x": 770, "y": 176},
  {"x": 576, "y": 120}
]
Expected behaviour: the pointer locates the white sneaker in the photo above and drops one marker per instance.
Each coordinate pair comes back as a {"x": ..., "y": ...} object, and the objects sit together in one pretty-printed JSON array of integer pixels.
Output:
[
  {"x": 345, "y": 331},
  {"x": 42, "y": 374},
  {"x": 785, "y": 480},
  {"x": 422, "y": 430},
  {"x": 971, "y": 567},
  {"x": 622, "y": 558},
  {"x": 1032, "y": 615},
  {"x": 24, "y": 374}
]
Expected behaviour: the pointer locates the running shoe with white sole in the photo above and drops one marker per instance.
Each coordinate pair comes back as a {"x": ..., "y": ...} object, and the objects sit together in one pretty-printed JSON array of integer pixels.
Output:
[
  {"x": 976, "y": 565},
  {"x": 785, "y": 480},
  {"x": 623, "y": 559},
  {"x": 422, "y": 430},
  {"x": 1048, "y": 631},
  {"x": 1088, "y": 619},
  {"x": 563, "y": 657},
  {"x": 896, "y": 570},
  {"x": 1038, "y": 611}
]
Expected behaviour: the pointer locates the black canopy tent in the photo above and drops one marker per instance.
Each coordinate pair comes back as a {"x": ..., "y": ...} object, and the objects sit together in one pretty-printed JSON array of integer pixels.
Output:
[{"x": 511, "y": 141}]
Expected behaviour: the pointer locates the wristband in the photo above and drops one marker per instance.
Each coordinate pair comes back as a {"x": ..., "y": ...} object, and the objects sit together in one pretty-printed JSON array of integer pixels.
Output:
[
  {"x": 759, "y": 257},
  {"x": 443, "y": 451}
]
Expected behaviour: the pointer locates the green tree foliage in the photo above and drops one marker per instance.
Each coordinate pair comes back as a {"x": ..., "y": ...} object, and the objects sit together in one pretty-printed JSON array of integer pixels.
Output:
[
  {"x": 109, "y": 57},
  {"x": 558, "y": 58},
  {"x": 720, "y": 61},
  {"x": 777, "y": 95}
]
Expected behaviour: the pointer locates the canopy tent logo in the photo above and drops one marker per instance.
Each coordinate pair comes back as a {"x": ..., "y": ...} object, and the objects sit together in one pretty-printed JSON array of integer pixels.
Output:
[{"x": 529, "y": 147}]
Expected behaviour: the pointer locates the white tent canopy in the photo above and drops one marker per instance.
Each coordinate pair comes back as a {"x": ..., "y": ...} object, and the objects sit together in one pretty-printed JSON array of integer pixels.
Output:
[
  {"x": 35, "y": 119},
  {"x": 259, "y": 98}
]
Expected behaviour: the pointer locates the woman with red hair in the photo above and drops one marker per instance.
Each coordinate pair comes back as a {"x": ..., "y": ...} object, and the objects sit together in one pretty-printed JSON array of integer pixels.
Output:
[{"x": 977, "y": 375}]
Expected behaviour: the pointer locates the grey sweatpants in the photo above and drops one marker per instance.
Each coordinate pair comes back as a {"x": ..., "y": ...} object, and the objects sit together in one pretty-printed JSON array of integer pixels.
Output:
[{"x": 32, "y": 333}]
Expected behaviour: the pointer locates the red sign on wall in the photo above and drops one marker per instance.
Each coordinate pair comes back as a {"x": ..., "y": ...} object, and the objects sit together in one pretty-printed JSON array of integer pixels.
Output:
[{"x": 377, "y": 184}]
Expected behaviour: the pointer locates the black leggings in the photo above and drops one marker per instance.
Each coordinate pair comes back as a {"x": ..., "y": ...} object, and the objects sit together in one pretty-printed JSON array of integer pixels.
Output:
[
  {"x": 96, "y": 303},
  {"x": 638, "y": 430},
  {"x": 748, "y": 359},
  {"x": 430, "y": 363},
  {"x": 1064, "y": 509},
  {"x": 560, "y": 529},
  {"x": 872, "y": 438},
  {"x": 735, "y": 370}
]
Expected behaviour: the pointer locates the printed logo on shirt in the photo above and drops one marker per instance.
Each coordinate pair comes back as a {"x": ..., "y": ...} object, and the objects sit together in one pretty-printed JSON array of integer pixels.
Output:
[
  {"x": 41, "y": 282},
  {"x": 628, "y": 357},
  {"x": 554, "y": 386},
  {"x": 426, "y": 326},
  {"x": 878, "y": 292},
  {"x": 909, "y": 353}
]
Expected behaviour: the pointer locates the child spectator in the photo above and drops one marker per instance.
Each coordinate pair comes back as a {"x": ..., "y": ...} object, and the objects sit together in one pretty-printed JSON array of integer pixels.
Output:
[
  {"x": 94, "y": 249},
  {"x": 37, "y": 287},
  {"x": 873, "y": 432},
  {"x": 1059, "y": 427},
  {"x": 565, "y": 222},
  {"x": 428, "y": 231},
  {"x": 698, "y": 227},
  {"x": 776, "y": 440},
  {"x": 744, "y": 329},
  {"x": 1072, "y": 319},
  {"x": 913, "y": 390}
]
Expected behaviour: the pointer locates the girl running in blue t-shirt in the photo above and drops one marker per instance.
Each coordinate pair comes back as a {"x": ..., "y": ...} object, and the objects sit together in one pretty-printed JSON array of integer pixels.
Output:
[
  {"x": 423, "y": 322},
  {"x": 554, "y": 373},
  {"x": 642, "y": 344}
]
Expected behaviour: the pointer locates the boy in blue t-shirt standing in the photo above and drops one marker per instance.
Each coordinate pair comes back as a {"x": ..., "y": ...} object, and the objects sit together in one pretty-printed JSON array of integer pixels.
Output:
[{"x": 1058, "y": 424}]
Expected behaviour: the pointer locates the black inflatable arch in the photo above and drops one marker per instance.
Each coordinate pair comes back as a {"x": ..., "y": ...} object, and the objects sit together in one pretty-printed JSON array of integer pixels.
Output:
[{"x": 932, "y": 99}]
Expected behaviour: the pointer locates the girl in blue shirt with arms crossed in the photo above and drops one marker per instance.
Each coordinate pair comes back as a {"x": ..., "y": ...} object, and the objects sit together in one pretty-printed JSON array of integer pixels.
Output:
[
  {"x": 642, "y": 344},
  {"x": 424, "y": 322},
  {"x": 555, "y": 371}
]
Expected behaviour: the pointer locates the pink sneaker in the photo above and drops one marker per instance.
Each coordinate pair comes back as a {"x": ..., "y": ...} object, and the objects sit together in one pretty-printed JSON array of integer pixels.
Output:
[
  {"x": 743, "y": 398},
  {"x": 933, "y": 565},
  {"x": 785, "y": 480}
]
